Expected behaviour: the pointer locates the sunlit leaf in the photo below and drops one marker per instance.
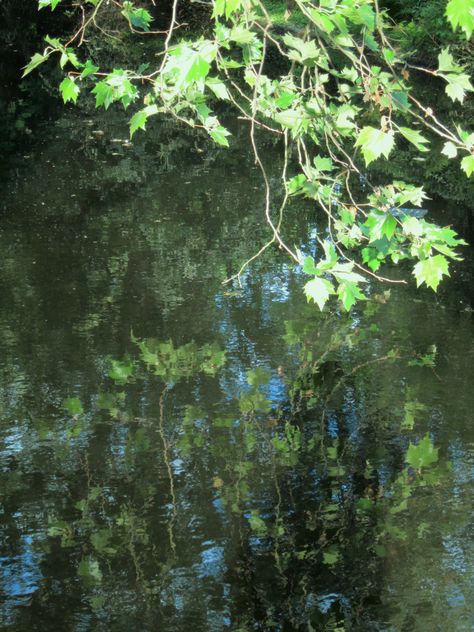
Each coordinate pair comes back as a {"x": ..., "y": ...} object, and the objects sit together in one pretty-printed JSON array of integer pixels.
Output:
[
  {"x": 218, "y": 87},
  {"x": 89, "y": 69},
  {"x": 457, "y": 86},
  {"x": 219, "y": 135},
  {"x": 460, "y": 13},
  {"x": 467, "y": 165},
  {"x": 375, "y": 143},
  {"x": 446, "y": 62},
  {"x": 349, "y": 293},
  {"x": 450, "y": 150},
  {"x": 104, "y": 94},
  {"x": 48, "y": 3},
  {"x": 431, "y": 270},
  {"x": 309, "y": 266},
  {"x": 69, "y": 90},
  {"x": 319, "y": 290},
  {"x": 415, "y": 138},
  {"x": 35, "y": 61}
]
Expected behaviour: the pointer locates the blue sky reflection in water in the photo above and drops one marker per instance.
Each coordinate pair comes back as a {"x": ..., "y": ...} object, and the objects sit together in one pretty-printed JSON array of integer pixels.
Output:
[{"x": 329, "y": 489}]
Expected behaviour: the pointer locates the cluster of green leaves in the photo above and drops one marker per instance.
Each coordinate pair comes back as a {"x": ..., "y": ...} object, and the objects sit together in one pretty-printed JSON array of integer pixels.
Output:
[
  {"x": 458, "y": 82},
  {"x": 320, "y": 288},
  {"x": 344, "y": 101}
]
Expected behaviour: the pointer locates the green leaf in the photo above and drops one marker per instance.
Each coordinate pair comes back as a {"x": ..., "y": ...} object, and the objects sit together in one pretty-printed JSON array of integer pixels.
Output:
[
  {"x": 412, "y": 226},
  {"x": 415, "y": 138},
  {"x": 54, "y": 42},
  {"x": 89, "y": 69},
  {"x": 375, "y": 143},
  {"x": 218, "y": 87},
  {"x": 291, "y": 118},
  {"x": 446, "y": 62},
  {"x": 330, "y": 257},
  {"x": 226, "y": 7},
  {"x": 467, "y": 165},
  {"x": 461, "y": 13},
  {"x": 431, "y": 271},
  {"x": 305, "y": 52},
  {"x": 139, "y": 119},
  {"x": 450, "y": 150},
  {"x": 69, "y": 56},
  {"x": 115, "y": 87},
  {"x": 323, "y": 163},
  {"x": 457, "y": 86},
  {"x": 400, "y": 100},
  {"x": 285, "y": 100},
  {"x": 141, "y": 19},
  {"x": 35, "y": 61},
  {"x": 122, "y": 88},
  {"x": 423, "y": 454},
  {"x": 197, "y": 70},
  {"x": 241, "y": 35},
  {"x": 389, "y": 55},
  {"x": 187, "y": 65},
  {"x": 343, "y": 272},
  {"x": 349, "y": 293},
  {"x": 219, "y": 135},
  {"x": 309, "y": 267},
  {"x": 319, "y": 290},
  {"x": 381, "y": 225},
  {"x": 48, "y": 3},
  {"x": 366, "y": 14},
  {"x": 69, "y": 90},
  {"x": 104, "y": 94}
]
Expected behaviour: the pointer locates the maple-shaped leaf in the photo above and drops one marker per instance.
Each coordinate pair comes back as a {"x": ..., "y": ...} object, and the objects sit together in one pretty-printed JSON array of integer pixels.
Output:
[
  {"x": 375, "y": 143},
  {"x": 461, "y": 13},
  {"x": 431, "y": 271},
  {"x": 319, "y": 290}
]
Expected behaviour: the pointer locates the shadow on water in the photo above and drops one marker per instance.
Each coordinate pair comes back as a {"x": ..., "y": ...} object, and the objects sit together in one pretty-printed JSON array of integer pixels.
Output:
[{"x": 287, "y": 470}]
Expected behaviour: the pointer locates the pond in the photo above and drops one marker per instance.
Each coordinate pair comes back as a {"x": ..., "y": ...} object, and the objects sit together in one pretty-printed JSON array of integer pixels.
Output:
[{"x": 180, "y": 454}]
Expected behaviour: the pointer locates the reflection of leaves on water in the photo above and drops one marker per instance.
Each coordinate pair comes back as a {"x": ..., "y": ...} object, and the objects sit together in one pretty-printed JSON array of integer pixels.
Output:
[
  {"x": 158, "y": 469},
  {"x": 422, "y": 454},
  {"x": 256, "y": 446}
]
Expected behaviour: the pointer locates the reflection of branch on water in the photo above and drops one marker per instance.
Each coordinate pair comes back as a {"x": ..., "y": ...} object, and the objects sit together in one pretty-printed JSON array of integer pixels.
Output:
[
  {"x": 342, "y": 379},
  {"x": 131, "y": 547},
  {"x": 166, "y": 458}
]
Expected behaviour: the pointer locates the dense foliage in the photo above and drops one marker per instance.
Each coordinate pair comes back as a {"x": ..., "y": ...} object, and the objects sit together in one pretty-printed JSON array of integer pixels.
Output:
[{"x": 337, "y": 90}]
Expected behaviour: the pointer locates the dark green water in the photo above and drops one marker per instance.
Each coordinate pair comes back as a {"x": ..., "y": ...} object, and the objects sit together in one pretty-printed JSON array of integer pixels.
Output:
[{"x": 166, "y": 488}]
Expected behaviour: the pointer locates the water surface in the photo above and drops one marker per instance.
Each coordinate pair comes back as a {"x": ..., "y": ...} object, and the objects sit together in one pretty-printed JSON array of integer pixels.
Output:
[{"x": 267, "y": 467}]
